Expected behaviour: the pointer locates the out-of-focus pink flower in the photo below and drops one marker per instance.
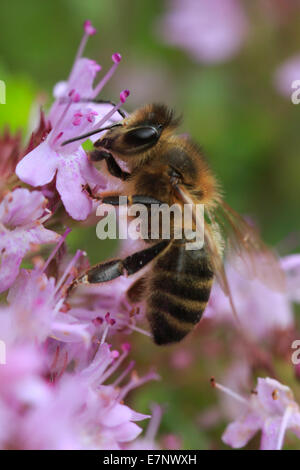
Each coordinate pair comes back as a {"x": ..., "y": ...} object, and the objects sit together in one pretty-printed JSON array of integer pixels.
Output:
[
  {"x": 110, "y": 423},
  {"x": 287, "y": 73},
  {"x": 34, "y": 311},
  {"x": 181, "y": 358},
  {"x": 21, "y": 228},
  {"x": 208, "y": 30},
  {"x": 148, "y": 80},
  {"x": 78, "y": 410},
  {"x": 36, "y": 306},
  {"x": 172, "y": 442},
  {"x": 71, "y": 115},
  {"x": 260, "y": 309},
  {"x": 93, "y": 419},
  {"x": 271, "y": 408}
]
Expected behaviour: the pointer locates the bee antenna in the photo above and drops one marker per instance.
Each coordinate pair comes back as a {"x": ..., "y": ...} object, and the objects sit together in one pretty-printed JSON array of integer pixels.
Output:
[{"x": 88, "y": 134}]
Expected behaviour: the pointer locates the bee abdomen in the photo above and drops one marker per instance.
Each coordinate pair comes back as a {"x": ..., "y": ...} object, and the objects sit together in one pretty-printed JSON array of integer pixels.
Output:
[{"x": 179, "y": 290}]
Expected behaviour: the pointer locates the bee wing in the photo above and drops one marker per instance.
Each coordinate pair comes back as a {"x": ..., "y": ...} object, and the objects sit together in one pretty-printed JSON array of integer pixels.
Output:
[
  {"x": 246, "y": 251},
  {"x": 213, "y": 246},
  {"x": 244, "y": 248}
]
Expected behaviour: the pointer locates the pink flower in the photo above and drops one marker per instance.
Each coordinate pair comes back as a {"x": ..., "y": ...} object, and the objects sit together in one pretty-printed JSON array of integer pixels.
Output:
[
  {"x": 59, "y": 410},
  {"x": 21, "y": 227},
  {"x": 260, "y": 309},
  {"x": 208, "y": 30},
  {"x": 36, "y": 307},
  {"x": 113, "y": 421},
  {"x": 271, "y": 408},
  {"x": 108, "y": 312},
  {"x": 77, "y": 410},
  {"x": 34, "y": 311},
  {"x": 68, "y": 164},
  {"x": 72, "y": 115}
]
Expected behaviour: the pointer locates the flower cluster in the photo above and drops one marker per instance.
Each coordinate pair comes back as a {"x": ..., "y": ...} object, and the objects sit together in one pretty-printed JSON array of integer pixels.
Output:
[{"x": 60, "y": 368}]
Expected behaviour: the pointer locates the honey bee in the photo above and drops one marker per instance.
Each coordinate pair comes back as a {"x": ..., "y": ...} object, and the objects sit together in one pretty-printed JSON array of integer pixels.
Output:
[{"x": 167, "y": 168}]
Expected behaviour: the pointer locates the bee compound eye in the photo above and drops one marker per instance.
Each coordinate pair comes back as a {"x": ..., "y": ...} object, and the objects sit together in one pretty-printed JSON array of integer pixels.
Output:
[{"x": 145, "y": 135}]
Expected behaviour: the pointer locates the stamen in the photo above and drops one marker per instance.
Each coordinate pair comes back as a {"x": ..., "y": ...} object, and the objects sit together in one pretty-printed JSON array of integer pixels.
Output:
[
  {"x": 110, "y": 321},
  {"x": 89, "y": 30},
  {"x": 114, "y": 367},
  {"x": 44, "y": 218},
  {"x": 153, "y": 426},
  {"x": 58, "y": 306},
  {"x": 124, "y": 373},
  {"x": 58, "y": 245},
  {"x": 104, "y": 334},
  {"x": 76, "y": 121},
  {"x": 97, "y": 321},
  {"x": 283, "y": 427},
  {"x": 68, "y": 269},
  {"x": 116, "y": 59},
  {"x": 140, "y": 330},
  {"x": 229, "y": 392},
  {"x": 123, "y": 96},
  {"x": 137, "y": 382},
  {"x": 73, "y": 97},
  {"x": 57, "y": 137}
]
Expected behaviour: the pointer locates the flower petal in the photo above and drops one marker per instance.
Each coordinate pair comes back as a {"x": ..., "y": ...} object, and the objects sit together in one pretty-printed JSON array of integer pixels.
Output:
[
  {"x": 21, "y": 207},
  {"x": 69, "y": 184},
  {"x": 270, "y": 434},
  {"x": 9, "y": 269},
  {"x": 38, "y": 166},
  {"x": 238, "y": 433},
  {"x": 127, "y": 432}
]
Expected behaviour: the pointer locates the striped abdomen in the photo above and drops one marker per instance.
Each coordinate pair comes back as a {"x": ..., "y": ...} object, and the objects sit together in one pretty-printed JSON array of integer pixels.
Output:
[{"x": 178, "y": 291}]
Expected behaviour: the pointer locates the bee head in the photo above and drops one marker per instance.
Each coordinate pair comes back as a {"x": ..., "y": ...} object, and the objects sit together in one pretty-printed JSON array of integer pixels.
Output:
[{"x": 139, "y": 132}]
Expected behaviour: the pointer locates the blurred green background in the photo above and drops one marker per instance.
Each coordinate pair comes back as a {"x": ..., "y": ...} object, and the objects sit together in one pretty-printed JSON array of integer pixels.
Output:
[{"x": 249, "y": 132}]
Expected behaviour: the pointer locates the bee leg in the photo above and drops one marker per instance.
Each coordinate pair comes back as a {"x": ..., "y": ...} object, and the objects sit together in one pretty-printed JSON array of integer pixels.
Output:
[
  {"x": 112, "y": 166},
  {"x": 147, "y": 200},
  {"x": 109, "y": 270}
]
